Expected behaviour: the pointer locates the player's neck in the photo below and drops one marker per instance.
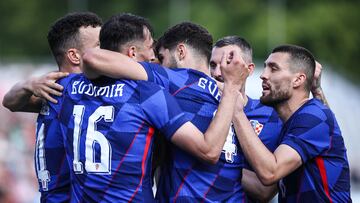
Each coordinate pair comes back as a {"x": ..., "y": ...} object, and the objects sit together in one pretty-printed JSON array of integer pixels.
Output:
[
  {"x": 196, "y": 64},
  {"x": 70, "y": 68},
  {"x": 287, "y": 108},
  {"x": 202, "y": 67}
]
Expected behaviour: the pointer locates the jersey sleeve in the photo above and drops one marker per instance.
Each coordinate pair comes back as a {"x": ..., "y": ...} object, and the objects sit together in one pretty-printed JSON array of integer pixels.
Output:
[
  {"x": 157, "y": 74},
  {"x": 309, "y": 135},
  {"x": 161, "y": 109}
]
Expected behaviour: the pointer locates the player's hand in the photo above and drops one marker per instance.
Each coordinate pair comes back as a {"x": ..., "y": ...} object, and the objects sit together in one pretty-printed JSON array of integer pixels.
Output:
[
  {"x": 316, "y": 83},
  {"x": 46, "y": 86},
  {"x": 234, "y": 69},
  {"x": 220, "y": 85}
]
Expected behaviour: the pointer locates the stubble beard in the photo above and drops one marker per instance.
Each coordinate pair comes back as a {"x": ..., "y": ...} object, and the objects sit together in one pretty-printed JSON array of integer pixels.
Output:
[
  {"x": 275, "y": 97},
  {"x": 172, "y": 62}
]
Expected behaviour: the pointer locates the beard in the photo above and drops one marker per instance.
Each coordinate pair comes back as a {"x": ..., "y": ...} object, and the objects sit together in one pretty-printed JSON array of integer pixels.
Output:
[
  {"x": 275, "y": 97},
  {"x": 219, "y": 78},
  {"x": 172, "y": 62}
]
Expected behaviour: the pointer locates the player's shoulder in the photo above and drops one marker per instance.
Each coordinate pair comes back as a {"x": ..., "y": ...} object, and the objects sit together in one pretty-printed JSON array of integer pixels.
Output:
[
  {"x": 151, "y": 92},
  {"x": 49, "y": 107},
  {"x": 311, "y": 114},
  {"x": 167, "y": 70},
  {"x": 315, "y": 108},
  {"x": 148, "y": 87},
  {"x": 152, "y": 66}
]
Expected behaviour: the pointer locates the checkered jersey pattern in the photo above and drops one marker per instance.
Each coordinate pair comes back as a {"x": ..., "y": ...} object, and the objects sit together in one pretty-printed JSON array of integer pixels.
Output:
[
  {"x": 185, "y": 178},
  {"x": 108, "y": 127},
  {"x": 324, "y": 176},
  {"x": 51, "y": 166}
]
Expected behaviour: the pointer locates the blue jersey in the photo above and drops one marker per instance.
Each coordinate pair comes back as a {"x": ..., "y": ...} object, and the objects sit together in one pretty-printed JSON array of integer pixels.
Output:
[
  {"x": 188, "y": 179},
  {"x": 51, "y": 166},
  {"x": 108, "y": 127},
  {"x": 324, "y": 174},
  {"x": 266, "y": 124}
]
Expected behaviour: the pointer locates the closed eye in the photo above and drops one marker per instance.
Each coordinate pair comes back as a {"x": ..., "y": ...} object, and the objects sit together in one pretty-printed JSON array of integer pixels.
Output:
[
  {"x": 273, "y": 66},
  {"x": 212, "y": 65}
]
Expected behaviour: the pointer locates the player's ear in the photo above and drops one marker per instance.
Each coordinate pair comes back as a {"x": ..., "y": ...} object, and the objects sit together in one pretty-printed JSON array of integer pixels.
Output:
[
  {"x": 181, "y": 51},
  {"x": 73, "y": 56},
  {"x": 299, "y": 80},
  {"x": 131, "y": 52},
  {"x": 251, "y": 67}
]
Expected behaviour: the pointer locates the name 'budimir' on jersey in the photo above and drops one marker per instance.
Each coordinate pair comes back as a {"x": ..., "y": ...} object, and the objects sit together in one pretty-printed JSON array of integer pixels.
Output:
[{"x": 115, "y": 90}]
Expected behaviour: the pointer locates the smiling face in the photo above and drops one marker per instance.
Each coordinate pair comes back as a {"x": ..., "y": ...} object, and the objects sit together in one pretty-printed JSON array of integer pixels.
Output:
[{"x": 276, "y": 79}]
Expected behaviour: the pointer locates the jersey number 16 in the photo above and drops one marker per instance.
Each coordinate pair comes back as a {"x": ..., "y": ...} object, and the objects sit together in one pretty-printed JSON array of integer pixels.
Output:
[{"x": 92, "y": 137}]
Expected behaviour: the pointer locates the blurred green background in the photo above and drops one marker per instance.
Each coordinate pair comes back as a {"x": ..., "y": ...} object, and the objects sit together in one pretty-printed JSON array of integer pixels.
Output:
[{"x": 329, "y": 28}]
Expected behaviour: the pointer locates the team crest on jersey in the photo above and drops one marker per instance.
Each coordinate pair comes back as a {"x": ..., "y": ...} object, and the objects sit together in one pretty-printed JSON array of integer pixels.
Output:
[
  {"x": 257, "y": 126},
  {"x": 44, "y": 109}
]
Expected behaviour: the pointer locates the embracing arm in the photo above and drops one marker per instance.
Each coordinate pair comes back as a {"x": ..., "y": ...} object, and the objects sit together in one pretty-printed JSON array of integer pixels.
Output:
[
  {"x": 255, "y": 189},
  {"x": 111, "y": 64},
  {"x": 27, "y": 96},
  {"x": 208, "y": 146},
  {"x": 19, "y": 98},
  {"x": 316, "y": 89},
  {"x": 269, "y": 167}
]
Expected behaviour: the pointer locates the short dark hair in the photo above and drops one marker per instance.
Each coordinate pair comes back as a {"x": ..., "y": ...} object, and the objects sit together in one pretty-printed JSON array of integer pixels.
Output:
[
  {"x": 189, "y": 33},
  {"x": 121, "y": 29},
  {"x": 238, "y": 41},
  {"x": 300, "y": 59},
  {"x": 64, "y": 33}
]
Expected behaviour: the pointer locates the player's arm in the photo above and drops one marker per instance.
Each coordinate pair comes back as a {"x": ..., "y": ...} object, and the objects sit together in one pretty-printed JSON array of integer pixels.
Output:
[
  {"x": 112, "y": 64},
  {"x": 255, "y": 189},
  {"x": 208, "y": 146},
  {"x": 316, "y": 89},
  {"x": 28, "y": 95},
  {"x": 269, "y": 167}
]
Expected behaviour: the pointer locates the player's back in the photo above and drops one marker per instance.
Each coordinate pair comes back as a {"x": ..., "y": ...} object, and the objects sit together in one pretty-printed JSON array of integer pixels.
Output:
[{"x": 108, "y": 133}]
